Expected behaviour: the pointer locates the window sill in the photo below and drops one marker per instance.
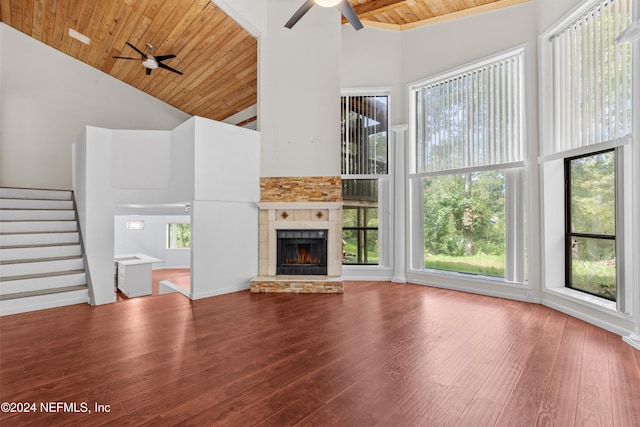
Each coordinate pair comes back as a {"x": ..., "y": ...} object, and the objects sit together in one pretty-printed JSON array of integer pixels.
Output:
[{"x": 586, "y": 299}]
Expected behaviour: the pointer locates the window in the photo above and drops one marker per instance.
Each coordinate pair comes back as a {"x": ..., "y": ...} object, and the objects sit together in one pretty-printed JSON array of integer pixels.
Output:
[
  {"x": 468, "y": 180},
  {"x": 178, "y": 236},
  {"x": 587, "y": 123},
  {"x": 364, "y": 169},
  {"x": 590, "y": 209}
]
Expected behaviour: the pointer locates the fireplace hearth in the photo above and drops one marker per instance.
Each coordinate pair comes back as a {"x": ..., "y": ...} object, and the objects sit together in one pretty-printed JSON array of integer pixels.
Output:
[{"x": 302, "y": 252}]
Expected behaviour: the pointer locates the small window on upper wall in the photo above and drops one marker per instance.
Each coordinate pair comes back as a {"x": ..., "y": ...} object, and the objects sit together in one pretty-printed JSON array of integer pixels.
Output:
[{"x": 178, "y": 236}]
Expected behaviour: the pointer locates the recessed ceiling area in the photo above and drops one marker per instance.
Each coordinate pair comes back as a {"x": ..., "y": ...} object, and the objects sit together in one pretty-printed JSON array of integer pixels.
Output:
[{"x": 217, "y": 56}]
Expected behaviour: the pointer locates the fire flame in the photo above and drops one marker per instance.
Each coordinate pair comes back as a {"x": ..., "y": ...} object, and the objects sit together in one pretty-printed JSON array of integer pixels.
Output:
[{"x": 303, "y": 257}]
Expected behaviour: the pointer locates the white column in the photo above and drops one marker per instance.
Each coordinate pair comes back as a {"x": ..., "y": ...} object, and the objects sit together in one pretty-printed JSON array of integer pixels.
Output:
[{"x": 399, "y": 205}]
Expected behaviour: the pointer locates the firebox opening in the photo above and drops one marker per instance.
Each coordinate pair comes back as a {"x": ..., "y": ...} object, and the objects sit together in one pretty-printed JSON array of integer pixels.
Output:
[{"x": 302, "y": 252}]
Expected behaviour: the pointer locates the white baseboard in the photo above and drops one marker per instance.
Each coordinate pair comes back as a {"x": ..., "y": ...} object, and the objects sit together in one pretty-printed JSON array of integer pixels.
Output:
[{"x": 633, "y": 340}]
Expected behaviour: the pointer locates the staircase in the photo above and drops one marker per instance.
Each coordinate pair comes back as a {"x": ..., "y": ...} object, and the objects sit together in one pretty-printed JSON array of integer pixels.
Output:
[{"x": 41, "y": 262}]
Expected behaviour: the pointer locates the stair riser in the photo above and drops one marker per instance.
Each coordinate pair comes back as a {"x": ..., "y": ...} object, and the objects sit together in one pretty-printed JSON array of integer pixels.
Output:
[
  {"x": 34, "y": 215},
  {"x": 26, "y": 193},
  {"x": 23, "y": 305},
  {"x": 37, "y": 226},
  {"x": 40, "y": 252},
  {"x": 40, "y": 283},
  {"x": 39, "y": 239},
  {"x": 35, "y": 204},
  {"x": 23, "y": 268}
]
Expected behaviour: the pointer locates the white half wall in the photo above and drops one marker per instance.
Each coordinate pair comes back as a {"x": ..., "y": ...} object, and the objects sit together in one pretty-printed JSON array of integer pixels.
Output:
[{"x": 48, "y": 97}]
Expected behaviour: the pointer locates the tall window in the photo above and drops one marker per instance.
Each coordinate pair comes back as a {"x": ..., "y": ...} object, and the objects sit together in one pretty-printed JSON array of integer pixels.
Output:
[
  {"x": 589, "y": 117},
  {"x": 591, "y": 223},
  {"x": 178, "y": 236},
  {"x": 468, "y": 179},
  {"x": 365, "y": 129}
]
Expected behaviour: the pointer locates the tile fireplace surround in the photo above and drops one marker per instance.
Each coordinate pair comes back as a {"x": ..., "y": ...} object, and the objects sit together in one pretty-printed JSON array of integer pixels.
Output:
[{"x": 299, "y": 203}]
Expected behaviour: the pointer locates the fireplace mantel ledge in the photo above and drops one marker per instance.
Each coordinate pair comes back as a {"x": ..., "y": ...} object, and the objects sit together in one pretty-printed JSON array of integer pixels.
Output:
[{"x": 299, "y": 205}]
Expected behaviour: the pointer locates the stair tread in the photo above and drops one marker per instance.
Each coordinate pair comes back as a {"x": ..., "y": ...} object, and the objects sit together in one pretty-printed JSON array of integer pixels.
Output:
[
  {"x": 43, "y": 292},
  {"x": 36, "y": 209},
  {"x": 39, "y": 275},
  {"x": 29, "y": 260},
  {"x": 40, "y": 245},
  {"x": 7, "y": 233},
  {"x": 38, "y": 220}
]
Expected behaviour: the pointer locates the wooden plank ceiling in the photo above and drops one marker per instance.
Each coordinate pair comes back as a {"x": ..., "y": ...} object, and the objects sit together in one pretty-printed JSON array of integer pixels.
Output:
[{"x": 217, "y": 56}]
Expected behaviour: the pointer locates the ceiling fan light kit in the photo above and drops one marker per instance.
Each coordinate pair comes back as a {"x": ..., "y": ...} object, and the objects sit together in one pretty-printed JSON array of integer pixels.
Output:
[
  {"x": 342, "y": 5},
  {"x": 327, "y": 3}
]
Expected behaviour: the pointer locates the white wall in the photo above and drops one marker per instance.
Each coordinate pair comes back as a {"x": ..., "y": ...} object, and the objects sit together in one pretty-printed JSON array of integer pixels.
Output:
[
  {"x": 46, "y": 99},
  {"x": 299, "y": 92},
  {"x": 372, "y": 59},
  {"x": 224, "y": 215},
  {"x": 152, "y": 240}
]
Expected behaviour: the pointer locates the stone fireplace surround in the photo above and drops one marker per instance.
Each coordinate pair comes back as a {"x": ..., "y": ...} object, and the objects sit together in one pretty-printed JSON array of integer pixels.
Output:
[{"x": 299, "y": 203}]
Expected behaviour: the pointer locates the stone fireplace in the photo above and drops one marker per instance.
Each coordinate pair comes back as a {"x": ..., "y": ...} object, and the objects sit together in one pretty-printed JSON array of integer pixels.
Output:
[{"x": 300, "y": 235}]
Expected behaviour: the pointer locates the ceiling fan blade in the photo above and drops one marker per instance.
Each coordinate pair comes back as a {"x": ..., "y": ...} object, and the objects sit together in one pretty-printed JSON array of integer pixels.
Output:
[
  {"x": 166, "y": 67},
  {"x": 126, "y": 57},
  {"x": 148, "y": 71},
  {"x": 299, "y": 13},
  {"x": 347, "y": 11},
  {"x": 137, "y": 50},
  {"x": 163, "y": 57}
]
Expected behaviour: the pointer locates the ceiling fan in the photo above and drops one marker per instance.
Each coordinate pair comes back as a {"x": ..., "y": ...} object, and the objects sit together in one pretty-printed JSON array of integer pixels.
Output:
[
  {"x": 149, "y": 61},
  {"x": 343, "y": 6}
]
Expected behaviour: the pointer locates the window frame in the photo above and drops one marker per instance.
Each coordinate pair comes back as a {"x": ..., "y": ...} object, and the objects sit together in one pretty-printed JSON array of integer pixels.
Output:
[
  {"x": 168, "y": 240},
  {"x": 552, "y": 192},
  {"x": 569, "y": 235},
  {"x": 515, "y": 218},
  {"x": 385, "y": 195}
]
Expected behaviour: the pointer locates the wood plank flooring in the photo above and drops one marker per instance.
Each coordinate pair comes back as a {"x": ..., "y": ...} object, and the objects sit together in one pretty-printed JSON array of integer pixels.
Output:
[{"x": 381, "y": 354}]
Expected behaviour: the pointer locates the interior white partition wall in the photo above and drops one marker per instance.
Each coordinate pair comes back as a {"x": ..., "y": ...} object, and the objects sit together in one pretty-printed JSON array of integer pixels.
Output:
[
  {"x": 212, "y": 165},
  {"x": 224, "y": 216}
]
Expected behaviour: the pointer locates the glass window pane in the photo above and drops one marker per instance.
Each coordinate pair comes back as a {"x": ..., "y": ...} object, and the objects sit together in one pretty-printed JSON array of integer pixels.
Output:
[
  {"x": 179, "y": 236},
  {"x": 464, "y": 223},
  {"x": 593, "y": 266},
  {"x": 364, "y": 134},
  {"x": 360, "y": 246},
  {"x": 593, "y": 194},
  {"x": 360, "y": 221}
]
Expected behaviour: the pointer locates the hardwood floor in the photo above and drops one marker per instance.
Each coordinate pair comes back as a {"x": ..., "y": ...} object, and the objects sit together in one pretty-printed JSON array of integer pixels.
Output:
[{"x": 380, "y": 354}]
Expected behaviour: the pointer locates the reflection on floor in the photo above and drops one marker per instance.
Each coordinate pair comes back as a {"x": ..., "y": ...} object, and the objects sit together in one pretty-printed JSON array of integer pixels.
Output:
[{"x": 178, "y": 276}]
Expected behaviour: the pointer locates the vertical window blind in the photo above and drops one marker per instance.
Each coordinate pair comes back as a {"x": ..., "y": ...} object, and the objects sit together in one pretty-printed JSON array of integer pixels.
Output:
[
  {"x": 472, "y": 118},
  {"x": 364, "y": 134},
  {"x": 592, "y": 78}
]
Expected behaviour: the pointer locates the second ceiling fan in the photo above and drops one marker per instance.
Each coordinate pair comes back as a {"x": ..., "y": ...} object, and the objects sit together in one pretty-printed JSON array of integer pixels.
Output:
[{"x": 343, "y": 6}]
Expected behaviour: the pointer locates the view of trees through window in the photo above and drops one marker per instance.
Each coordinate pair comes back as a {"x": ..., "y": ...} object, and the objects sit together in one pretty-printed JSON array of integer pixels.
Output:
[
  {"x": 464, "y": 223},
  {"x": 178, "y": 236},
  {"x": 360, "y": 221},
  {"x": 591, "y": 245}
]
